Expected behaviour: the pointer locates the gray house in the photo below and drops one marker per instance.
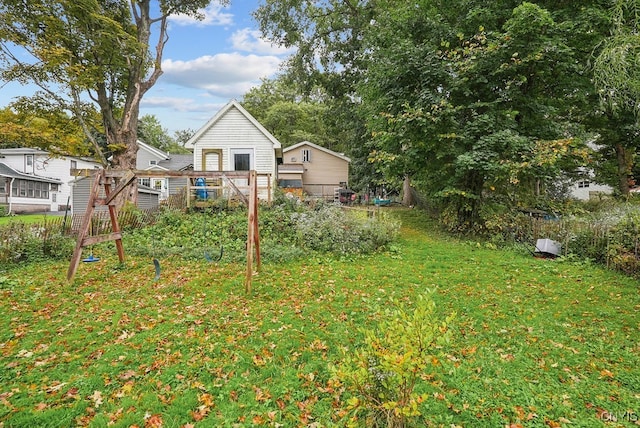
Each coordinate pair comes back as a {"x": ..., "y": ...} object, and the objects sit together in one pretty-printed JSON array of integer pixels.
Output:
[
  {"x": 153, "y": 159},
  {"x": 81, "y": 187}
]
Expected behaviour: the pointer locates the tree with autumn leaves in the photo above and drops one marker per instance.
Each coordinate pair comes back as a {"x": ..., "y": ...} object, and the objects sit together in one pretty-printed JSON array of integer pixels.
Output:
[{"x": 88, "y": 55}]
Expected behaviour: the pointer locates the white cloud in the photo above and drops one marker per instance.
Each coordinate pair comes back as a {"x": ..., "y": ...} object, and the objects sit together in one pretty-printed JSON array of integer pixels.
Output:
[
  {"x": 177, "y": 104},
  {"x": 225, "y": 74},
  {"x": 249, "y": 40},
  {"x": 212, "y": 15}
]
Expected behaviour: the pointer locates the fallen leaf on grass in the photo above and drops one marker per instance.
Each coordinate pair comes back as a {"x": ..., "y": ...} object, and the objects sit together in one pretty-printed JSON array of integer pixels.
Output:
[
  {"x": 96, "y": 397},
  {"x": 606, "y": 373},
  {"x": 261, "y": 395},
  {"x": 153, "y": 421}
]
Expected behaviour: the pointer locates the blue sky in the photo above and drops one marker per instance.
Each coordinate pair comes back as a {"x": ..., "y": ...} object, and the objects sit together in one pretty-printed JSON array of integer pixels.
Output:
[{"x": 206, "y": 64}]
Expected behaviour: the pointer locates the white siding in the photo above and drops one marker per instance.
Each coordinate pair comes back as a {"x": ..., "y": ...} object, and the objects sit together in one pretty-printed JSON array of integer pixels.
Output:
[
  {"x": 58, "y": 168},
  {"x": 235, "y": 131},
  {"x": 232, "y": 132}
]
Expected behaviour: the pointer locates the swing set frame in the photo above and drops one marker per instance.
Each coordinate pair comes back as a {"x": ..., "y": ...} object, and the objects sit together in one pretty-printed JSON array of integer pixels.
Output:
[{"x": 109, "y": 183}]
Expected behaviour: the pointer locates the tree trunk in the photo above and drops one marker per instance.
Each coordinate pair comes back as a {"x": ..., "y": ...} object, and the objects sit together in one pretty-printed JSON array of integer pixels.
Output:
[
  {"x": 408, "y": 198},
  {"x": 622, "y": 158}
]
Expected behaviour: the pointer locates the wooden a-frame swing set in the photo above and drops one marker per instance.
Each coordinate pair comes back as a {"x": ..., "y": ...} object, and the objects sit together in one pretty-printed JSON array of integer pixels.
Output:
[{"x": 111, "y": 183}]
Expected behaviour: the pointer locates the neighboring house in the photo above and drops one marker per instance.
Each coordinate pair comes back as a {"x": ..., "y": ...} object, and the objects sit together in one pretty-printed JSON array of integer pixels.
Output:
[
  {"x": 324, "y": 171},
  {"x": 23, "y": 193},
  {"x": 585, "y": 189},
  {"x": 39, "y": 181},
  {"x": 147, "y": 197},
  {"x": 153, "y": 159},
  {"x": 233, "y": 140}
]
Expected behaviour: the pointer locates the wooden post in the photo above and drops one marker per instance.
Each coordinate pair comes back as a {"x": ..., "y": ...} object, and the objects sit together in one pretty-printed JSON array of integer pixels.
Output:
[
  {"x": 86, "y": 224},
  {"x": 253, "y": 235},
  {"x": 113, "y": 214}
]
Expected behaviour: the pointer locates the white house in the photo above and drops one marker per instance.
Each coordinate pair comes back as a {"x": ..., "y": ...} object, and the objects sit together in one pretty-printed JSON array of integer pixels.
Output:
[
  {"x": 33, "y": 180},
  {"x": 153, "y": 159},
  {"x": 233, "y": 140},
  {"x": 585, "y": 188}
]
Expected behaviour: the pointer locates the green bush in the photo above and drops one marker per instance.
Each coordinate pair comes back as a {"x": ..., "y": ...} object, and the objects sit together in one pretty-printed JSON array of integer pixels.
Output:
[
  {"x": 288, "y": 230},
  {"x": 21, "y": 242},
  {"x": 328, "y": 228},
  {"x": 381, "y": 376}
]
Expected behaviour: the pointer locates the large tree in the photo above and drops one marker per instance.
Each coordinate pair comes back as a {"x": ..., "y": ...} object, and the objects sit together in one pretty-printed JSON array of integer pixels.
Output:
[
  {"x": 82, "y": 52},
  {"x": 617, "y": 78}
]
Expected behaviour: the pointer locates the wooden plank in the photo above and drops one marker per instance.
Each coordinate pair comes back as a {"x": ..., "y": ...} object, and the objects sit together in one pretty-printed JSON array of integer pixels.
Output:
[
  {"x": 113, "y": 214},
  {"x": 253, "y": 234},
  {"x": 84, "y": 228},
  {"x": 256, "y": 229},
  {"x": 238, "y": 192},
  {"x": 192, "y": 174},
  {"x": 98, "y": 239},
  {"x": 122, "y": 184}
]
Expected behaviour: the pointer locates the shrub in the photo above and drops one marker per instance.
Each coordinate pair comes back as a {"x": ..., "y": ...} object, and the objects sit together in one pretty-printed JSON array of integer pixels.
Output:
[
  {"x": 330, "y": 229},
  {"x": 287, "y": 230},
  {"x": 382, "y": 375},
  {"x": 21, "y": 242}
]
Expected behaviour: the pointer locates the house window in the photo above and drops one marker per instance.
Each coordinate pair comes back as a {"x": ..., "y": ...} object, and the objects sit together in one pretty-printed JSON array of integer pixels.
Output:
[
  {"x": 30, "y": 189},
  {"x": 74, "y": 164},
  {"x": 29, "y": 161},
  {"x": 241, "y": 162},
  {"x": 144, "y": 182},
  {"x": 242, "y": 159},
  {"x": 583, "y": 184},
  {"x": 306, "y": 155},
  {"x": 153, "y": 162}
]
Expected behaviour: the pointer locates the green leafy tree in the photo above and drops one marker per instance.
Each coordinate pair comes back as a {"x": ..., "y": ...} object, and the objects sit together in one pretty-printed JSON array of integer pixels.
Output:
[
  {"x": 474, "y": 118},
  {"x": 325, "y": 68},
  {"x": 90, "y": 52},
  {"x": 151, "y": 132},
  {"x": 617, "y": 78},
  {"x": 181, "y": 136},
  {"x": 25, "y": 125}
]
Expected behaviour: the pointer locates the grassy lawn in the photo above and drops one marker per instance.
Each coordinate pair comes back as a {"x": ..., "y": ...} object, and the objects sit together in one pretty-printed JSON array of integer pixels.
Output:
[
  {"x": 537, "y": 343},
  {"x": 26, "y": 218}
]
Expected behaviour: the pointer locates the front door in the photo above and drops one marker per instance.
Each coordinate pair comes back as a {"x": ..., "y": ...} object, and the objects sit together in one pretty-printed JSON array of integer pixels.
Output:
[{"x": 160, "y": 184}]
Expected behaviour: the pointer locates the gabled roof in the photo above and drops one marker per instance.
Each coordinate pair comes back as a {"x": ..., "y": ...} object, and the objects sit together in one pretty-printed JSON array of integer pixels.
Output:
[
  {"x": 30, "y": 151},
  {"x": 178, "y": 162},
  {"x": 153, "y": 150},
  {"x": 7, "y": 171},
  {"x": 315, "y": 146},
  {"x": 22, "y": 151},
  {"x": 232, "y": 104}
]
